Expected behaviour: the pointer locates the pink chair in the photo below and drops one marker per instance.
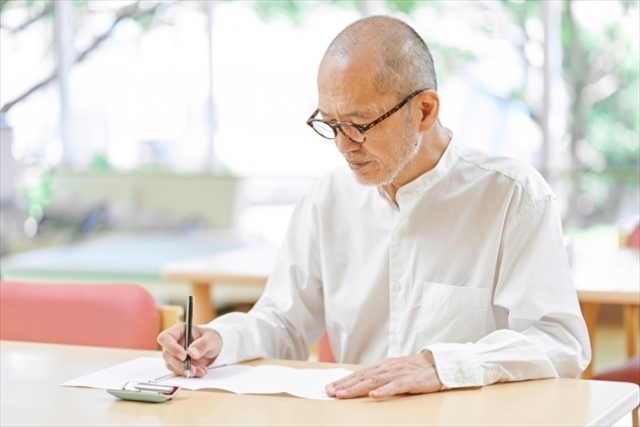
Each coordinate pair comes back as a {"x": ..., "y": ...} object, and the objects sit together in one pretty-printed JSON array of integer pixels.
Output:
[
  {"x": 122, "y": 316},
  {"x": 627, "y": 372},
  {"x": 325, "y": 354},
  {"x": 634, "y": 238}
]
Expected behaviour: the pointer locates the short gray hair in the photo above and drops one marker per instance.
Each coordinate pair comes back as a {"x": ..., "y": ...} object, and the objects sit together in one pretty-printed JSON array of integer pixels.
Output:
[{"x": 404, "y": 61}]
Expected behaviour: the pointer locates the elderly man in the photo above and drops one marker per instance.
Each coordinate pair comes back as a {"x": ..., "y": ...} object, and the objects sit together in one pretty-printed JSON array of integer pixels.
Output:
[{"x": 437, "y": 265}]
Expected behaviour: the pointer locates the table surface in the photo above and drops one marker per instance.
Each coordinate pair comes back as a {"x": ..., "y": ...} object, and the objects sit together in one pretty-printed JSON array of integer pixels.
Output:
[
  {"x": 31, "y": 394},
  {"x": 246, "y": 265},
  {"x": 607, "y": 275}
]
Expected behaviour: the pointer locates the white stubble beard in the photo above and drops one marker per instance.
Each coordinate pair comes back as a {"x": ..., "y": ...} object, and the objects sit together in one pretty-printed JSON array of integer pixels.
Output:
[{"x": 404, "y": 151}]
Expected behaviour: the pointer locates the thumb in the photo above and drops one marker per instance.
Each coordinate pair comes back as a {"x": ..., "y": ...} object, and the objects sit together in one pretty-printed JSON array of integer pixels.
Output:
[{"x": 205, "y": 345}]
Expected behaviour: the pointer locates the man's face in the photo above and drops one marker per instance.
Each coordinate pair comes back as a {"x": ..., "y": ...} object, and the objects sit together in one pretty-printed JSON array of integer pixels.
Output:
[
  {"x": 383, "y": 156},
  {"x": 389, "y": 146}
]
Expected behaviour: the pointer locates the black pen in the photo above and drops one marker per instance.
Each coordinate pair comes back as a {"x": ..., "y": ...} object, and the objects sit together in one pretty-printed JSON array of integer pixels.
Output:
[{"x": 187, "y": 335}]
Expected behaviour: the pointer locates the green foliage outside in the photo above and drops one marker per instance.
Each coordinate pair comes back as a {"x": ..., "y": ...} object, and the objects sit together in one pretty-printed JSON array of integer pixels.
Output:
[
  {"x": 608, "y": 122},
  {"x": 38, "y": 195}
]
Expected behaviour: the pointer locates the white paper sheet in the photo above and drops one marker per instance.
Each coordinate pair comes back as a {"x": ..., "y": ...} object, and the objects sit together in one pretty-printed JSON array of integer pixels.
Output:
[
  {"x": 141, "y": 369},
  {"x": 264, "y": 379}
]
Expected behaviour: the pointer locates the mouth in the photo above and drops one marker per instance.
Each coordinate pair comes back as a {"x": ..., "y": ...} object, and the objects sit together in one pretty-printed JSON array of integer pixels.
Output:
[{"x": 357, "y": 165}]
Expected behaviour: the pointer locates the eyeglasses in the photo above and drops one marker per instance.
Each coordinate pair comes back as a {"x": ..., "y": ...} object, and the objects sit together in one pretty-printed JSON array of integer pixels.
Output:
[{"x": 352, "y": 131}]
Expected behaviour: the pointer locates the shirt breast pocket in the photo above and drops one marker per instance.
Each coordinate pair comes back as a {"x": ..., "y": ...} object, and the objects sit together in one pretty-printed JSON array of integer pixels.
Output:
[{"x": 454, "y": 314}]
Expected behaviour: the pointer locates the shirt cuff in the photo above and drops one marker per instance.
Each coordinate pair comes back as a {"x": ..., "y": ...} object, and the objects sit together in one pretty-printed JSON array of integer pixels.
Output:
[
  {"x": 229, "y": 352},
  {"x": 456, "y": 365}
]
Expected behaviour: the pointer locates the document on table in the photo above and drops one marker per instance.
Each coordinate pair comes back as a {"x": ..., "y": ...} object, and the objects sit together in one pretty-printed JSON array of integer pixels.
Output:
[{"x": 241, "y": 379}]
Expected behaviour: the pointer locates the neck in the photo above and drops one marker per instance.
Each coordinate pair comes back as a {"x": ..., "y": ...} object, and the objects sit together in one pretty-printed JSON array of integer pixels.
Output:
[{"x": 432, "y": 147}]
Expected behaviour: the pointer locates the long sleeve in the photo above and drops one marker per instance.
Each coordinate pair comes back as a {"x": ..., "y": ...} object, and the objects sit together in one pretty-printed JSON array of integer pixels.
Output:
[
  {"x": 289, "y": 316},
  {"x": 540, "y": 332}
]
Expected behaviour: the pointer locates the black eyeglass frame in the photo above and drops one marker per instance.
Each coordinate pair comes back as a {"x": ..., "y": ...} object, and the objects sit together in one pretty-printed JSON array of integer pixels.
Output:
[{"x": 360, "y": 128}]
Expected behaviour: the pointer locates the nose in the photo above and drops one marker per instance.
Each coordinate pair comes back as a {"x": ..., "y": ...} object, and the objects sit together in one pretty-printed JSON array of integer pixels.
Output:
[{"x": 345, "y": 145}]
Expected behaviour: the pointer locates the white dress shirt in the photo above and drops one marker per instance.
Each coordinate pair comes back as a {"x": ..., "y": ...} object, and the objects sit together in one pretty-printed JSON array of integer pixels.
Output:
[{"x": 470, "y": 265}]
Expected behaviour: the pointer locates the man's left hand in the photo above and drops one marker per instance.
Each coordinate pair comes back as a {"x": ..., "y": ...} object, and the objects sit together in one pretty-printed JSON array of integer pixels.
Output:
[{"x": 414, "y": 374}]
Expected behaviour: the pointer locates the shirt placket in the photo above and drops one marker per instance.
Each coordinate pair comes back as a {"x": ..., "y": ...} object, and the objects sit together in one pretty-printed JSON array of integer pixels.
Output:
[{"x": 397, "y": 266}]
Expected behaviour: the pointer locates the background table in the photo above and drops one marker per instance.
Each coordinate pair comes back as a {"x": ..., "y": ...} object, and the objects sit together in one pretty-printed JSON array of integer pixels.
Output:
[
  {"x": 131, "y": 257},
  {"x": 609, "y": 276},
  {"x": 249, "y": 265},
  {"x": 31, "y": 394}
]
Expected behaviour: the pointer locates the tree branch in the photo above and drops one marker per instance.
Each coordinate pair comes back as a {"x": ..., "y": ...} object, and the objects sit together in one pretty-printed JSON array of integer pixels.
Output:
[
  {"x": 125, "y": 12},
  {"x": 47, "y": 9},
  {"x": 6, "y": 107}
]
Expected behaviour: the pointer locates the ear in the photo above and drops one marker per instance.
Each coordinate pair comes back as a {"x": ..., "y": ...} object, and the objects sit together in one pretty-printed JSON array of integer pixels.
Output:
[{"x": 427, "y": 110}]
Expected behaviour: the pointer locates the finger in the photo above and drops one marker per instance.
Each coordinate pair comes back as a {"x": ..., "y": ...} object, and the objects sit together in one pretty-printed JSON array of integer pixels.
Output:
[
  {"x": 176, "y": 333},
  {"x": 392, "y": 388},
  {"x": 331, "y": 388},
  {"x": 359, "y": 375},
  {"x": 200, "y": 371},
  {"x": 197, "y": 332},
  {"x": 198, "y": 368},
  {"x": 356, "y": 377},
  {"x": 170, "y": 342},
  {"x": 172, "y": 363},
  {"x": 207, "y": 345},
  {"x": 363, "y": 388},
  {"x": 413, "y": 385},
  {"x": 349, "y": 382}
]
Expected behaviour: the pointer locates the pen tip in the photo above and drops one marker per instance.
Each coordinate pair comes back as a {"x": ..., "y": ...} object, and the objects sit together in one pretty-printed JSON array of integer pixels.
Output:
[{"x": 187, "y": 374}]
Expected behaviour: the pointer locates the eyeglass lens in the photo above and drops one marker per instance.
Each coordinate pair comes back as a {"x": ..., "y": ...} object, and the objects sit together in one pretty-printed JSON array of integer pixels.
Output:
[
  {"x": 328, "y": 132},
  {"x": 323, "y": 129}
]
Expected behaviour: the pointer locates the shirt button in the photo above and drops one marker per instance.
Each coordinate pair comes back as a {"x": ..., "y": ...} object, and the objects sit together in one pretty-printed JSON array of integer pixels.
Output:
[
  {"x": 394, "y": 340},
  {"x": 397, "y": 286},
  {"x": 400, "y": 232}
]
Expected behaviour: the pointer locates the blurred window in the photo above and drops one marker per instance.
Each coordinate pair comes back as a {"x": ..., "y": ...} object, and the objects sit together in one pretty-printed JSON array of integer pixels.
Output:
[{"x": 139, "y": 93}]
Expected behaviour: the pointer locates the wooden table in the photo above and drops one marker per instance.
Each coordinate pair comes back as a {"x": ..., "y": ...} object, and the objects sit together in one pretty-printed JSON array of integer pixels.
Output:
[
  {"x": 249, "y": 265},
  {"x": 31, "y": 394},
  {"x": 609, "y": 276}
]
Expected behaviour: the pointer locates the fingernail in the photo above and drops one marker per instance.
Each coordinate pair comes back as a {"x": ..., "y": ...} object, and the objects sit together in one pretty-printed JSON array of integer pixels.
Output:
[{"x": 194, "y": 353}]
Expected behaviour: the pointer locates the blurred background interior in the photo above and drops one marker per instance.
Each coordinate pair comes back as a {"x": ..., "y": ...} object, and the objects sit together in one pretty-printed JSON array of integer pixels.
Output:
[{"x": 137, "y": 133}]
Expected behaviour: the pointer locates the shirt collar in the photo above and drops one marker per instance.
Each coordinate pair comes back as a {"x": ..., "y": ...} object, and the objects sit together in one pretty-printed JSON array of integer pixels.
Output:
[{"x": 427, "y": 180}]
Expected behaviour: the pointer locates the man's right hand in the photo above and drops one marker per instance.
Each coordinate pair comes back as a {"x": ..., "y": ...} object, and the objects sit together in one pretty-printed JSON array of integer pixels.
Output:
[{"x": 205, "y": 347}]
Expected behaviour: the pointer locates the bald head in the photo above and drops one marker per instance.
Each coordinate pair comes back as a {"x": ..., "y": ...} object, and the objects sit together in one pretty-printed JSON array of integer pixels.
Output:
[{"x": 397, "y": 59}]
